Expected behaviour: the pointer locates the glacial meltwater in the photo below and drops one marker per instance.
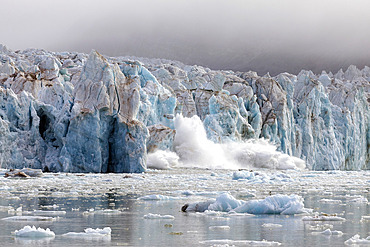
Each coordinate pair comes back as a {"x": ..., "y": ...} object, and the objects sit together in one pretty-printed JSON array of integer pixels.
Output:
[{"x": 328, "y": 209}]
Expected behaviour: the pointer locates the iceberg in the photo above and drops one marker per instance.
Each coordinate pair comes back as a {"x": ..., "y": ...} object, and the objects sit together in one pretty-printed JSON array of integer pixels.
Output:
[
  {"x": 276, "y": 204},
  {"x": 33, "y": 232},
  {"x": 91, "y": 234},
  {"x": 357, "y": 241},
  {"x": 75, "y": 112},
  {"x": 158, "y": 216}
]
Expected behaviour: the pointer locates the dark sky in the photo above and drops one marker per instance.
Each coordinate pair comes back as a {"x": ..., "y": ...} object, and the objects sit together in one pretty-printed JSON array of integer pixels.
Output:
[{"x": 259, "y": 35}]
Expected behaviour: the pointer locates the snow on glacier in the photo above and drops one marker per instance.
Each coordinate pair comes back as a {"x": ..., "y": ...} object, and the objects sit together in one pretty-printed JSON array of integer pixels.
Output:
[{"x": 73, "y": 112}]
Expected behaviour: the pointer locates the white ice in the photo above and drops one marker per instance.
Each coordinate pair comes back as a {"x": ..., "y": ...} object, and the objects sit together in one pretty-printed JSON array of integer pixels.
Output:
[
  {"x": 157, "y": 198},
  {"x": 46, "y": 213},
  {"x": 271, "y": 225},
  {"x": 33, "y": 232},
  {"x": 158, "y": 216},
  {"x": 228, "y": 242},
  {"x": 329, "y": 232},
  {"x": 29, "y": 218},
  {"x": 276, "y": 204},
  {"x": 89, "y": 233},
  {"x": 357, "y": 241},
  {"x": 215, "y": 228},
  {"x": 323, "y": 218}
]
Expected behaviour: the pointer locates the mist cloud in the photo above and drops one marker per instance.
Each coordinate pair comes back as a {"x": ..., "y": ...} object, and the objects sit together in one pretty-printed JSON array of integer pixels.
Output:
[{"x": 260, "y": 35}]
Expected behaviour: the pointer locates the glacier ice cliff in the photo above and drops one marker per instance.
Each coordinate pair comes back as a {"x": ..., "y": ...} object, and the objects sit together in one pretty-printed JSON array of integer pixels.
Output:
[{"x": 73, "y": 112}]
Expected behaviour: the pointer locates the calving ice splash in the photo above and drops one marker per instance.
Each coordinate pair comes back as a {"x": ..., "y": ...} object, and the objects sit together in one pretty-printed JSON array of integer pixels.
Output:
[{"x": 192, "y": 148}]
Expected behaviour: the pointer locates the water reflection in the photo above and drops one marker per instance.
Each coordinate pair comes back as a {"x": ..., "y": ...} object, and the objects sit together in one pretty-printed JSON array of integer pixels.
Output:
[{"x": 187, "y": 229}]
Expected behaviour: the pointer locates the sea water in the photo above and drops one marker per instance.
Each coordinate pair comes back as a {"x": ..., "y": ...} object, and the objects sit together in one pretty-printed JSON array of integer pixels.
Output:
[{"x": 79, "y": 201}]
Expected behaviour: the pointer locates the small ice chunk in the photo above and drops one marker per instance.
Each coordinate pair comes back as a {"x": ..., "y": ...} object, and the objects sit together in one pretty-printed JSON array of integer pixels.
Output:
[
  {"x": 356, "y": 240},
  {"x": 271, "y": 225},
  {"x": 228, "y": 242},
  {"x": 326, "y": 232},
  {"x": 33, "y": 232},
  {"x": 365, "y": 218},
  {"x": 29, "y": 218},
  {"x": 323, "y": 218},
  {"x": 243, "y": 175},
  {"x": 330, "y": 201},
  {"x": 359, "y": 199},
  {"x": 44, "y": 212},
  {"x": 108, "y": 212},
  {"x": 25, "y": 172},
  {"x": 50, "y": 206},
  {"x": 225, "y": 228},
  {"x": 320, "y": 227},
  {"x": 276, "y": 204},
  {"x": 158, "y": 197},
  {"x": 89, "y": 233},
  {"x": 158, "y": 216}
]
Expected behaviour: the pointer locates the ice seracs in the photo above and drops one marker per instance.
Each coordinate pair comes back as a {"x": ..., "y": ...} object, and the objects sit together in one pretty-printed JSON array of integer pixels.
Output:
[{"x": 73, "y": 112}]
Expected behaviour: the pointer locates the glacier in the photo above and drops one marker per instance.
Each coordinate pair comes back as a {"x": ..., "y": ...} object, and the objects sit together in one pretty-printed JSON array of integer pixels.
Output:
[{"x": 75, "y": 112}]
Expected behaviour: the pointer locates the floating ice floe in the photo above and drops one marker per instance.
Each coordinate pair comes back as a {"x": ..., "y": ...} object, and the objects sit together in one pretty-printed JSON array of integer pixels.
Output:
[
  {"x": 228, "y": 242},
  {"x": 108, "y": 212},
  {"x": 359, "y": 199},
  {"x": 319, "y": 227},
  {"x": 357, "y": 241},
  {"x": 33, "y": 232},
  {"x": 215, "y": 228},
  {"x": 44, "y": 212},
  {"x": 93, "y": 234},
  {"x": 323, "y": 218},
  {"x": 329, "y": 232},
  {"x": 158, "y": 198},
  {"x": 158, "y": 216},
  {"x": 92, "y": 211},
  {"x": 271, "y": 225},
  {"x": 49, "y": 206},
  {"x": 259, "y": 177},
  {"x": 220, "y": 214},
  {"x": 330, "y": 201},
  {"x": 276, "y": 204},
  {"x": 29, "y": 218},
  {"x": 365, "y": 218},
  {"x": 25, "y": 172}
]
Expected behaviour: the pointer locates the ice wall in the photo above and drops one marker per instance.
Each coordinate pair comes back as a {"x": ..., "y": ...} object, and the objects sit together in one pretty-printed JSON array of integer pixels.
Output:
[{"x": 89, "y": 113}]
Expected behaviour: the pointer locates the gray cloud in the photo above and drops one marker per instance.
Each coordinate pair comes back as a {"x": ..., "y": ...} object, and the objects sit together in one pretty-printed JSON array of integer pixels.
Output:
[{"x": 261, "y": 35}]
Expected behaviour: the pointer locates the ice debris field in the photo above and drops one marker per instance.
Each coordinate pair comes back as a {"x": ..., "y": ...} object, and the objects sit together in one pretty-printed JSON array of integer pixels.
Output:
[
  {"x": 73, "y": 112},
  {"x": 188, "y": 207}
]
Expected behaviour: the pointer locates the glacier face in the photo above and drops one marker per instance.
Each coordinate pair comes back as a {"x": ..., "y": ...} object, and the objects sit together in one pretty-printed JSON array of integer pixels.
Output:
[{"x": 73, "y": 112}]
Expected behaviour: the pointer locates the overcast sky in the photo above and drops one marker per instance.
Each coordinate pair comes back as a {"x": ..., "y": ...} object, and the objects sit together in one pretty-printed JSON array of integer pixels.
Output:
[{"x": 260, "y": 35}]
